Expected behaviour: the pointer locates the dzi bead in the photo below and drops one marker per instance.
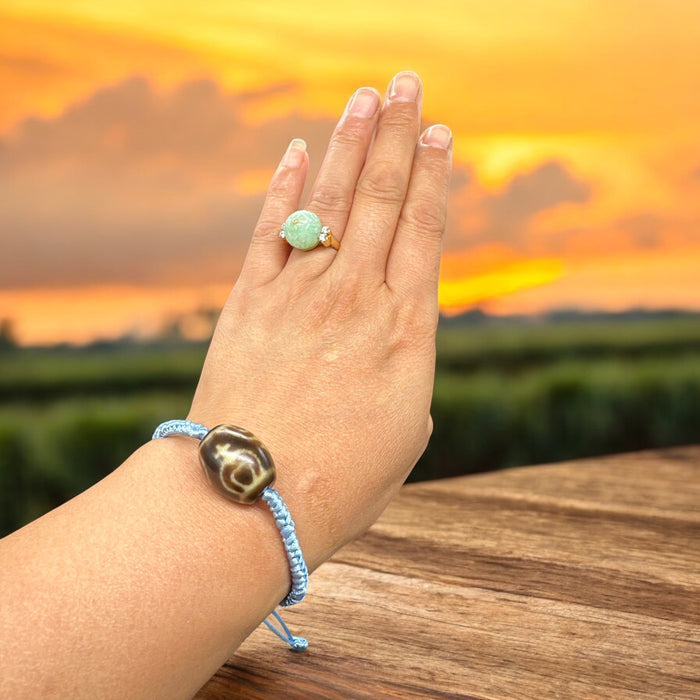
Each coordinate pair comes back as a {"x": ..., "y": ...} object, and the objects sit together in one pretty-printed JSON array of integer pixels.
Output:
[{"x": 236, "y": 463}]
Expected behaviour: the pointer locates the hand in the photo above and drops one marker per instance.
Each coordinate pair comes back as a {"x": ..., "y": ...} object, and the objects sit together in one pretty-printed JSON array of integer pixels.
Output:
[{"x": 328, "y": 357}]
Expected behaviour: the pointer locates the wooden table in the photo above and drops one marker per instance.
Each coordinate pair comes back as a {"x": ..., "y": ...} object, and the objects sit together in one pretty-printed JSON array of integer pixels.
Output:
[{"x": 572, "y": 580}]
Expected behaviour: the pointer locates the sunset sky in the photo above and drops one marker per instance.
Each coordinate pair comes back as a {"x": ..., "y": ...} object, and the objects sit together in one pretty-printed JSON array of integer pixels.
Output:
[{"x": 137, "y": 139}]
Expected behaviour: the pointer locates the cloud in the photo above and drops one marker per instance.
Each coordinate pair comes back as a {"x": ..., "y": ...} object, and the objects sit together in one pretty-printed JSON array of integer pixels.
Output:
[
  {"x": 506, "y": 217},
  {"x": 645, "y": 229},
  {"x": 526, "y": 195},
  {"x": 135, "y": 186},
  {"x": 27, "y": 65}
]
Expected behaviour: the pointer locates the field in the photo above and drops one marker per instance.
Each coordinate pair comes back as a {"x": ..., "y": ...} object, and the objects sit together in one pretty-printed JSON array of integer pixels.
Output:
[{"x": 506, "y": 394}]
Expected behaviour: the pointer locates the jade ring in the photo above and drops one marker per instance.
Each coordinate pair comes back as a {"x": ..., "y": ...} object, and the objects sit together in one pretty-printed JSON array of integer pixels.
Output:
[{"x": 303, "y": 230}]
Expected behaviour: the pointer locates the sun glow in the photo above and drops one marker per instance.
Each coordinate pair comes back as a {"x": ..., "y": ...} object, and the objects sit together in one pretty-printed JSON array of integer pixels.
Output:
[
  {"x": 458, "y": 295},
  {"x": 106, "y": 312}
]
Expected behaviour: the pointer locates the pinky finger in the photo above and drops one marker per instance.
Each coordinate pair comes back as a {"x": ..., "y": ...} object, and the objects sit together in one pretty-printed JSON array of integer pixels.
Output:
[{"x": 268, "y": 253}]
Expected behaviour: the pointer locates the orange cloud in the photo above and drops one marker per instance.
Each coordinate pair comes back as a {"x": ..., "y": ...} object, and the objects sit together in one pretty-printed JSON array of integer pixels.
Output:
[
  {"x": 490, "y": 68},
  {"x": 68, "y": 58},
  {"x": 134, "y": 186}
]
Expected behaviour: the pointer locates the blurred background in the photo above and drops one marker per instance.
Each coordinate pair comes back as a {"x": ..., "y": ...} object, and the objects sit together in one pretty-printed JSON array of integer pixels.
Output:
[{"x": 137, "y": 139}]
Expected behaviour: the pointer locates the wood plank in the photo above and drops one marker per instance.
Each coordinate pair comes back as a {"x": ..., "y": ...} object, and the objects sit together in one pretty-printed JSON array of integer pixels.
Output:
[{"x": 574, "y": 580}]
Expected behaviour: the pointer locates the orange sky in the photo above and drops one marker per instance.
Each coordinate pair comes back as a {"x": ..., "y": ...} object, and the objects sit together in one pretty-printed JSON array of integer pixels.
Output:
[{"x": 136, "y": 138}]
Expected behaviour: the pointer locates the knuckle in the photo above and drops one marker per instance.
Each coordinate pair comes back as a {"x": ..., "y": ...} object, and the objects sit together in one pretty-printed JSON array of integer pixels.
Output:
[
  {"x": 403, "y": 116},
  {"x": 278, "y": 189},
  {"x": 426, "y": 216},
  {"x": 407, "y": 324},
  {"x": 331, "y": 195},
  {"x": 415, "y": 325},
  {"x": 404, "y": 327},
  {"x": 267, "y": 228},
  {"x": 348, "y": 298},
  {"x": 334, "y": 304},
  {"x": 348, "y": 135},
  {"x": 383, "y": 183}
]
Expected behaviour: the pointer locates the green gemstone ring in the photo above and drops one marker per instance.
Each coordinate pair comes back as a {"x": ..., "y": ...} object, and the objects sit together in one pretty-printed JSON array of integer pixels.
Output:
[{"x": 303, "y": 230}]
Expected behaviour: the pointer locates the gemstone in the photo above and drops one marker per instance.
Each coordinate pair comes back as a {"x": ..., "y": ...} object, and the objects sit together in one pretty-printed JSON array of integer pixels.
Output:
[
  {"x": 236, "y": 463},
  {"x": 302, "y": 229}
]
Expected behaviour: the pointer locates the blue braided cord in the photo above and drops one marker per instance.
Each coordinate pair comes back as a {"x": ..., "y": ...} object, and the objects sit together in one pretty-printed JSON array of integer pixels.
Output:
[
  {"x": 284, "y": 522},
  {"x": 296, "y": 643},
  {"x": 180, "y": 427},
  {"x": 297, "y": 565}
]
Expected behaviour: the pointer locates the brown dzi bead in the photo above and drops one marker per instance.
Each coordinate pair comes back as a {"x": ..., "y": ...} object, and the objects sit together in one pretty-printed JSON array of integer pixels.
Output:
[{"x": 236, "y": 463}]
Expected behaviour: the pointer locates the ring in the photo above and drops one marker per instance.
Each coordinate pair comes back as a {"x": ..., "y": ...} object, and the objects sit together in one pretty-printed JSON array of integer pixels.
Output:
[{"x": 303, "y": 230}]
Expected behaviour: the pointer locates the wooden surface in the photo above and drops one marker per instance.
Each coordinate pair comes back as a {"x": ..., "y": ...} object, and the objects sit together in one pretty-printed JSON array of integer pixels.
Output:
[{"x": 573, "y": 580}]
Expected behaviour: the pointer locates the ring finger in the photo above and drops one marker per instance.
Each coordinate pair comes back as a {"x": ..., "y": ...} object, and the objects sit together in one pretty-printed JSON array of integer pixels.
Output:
[{"x": 333, "y": 191}]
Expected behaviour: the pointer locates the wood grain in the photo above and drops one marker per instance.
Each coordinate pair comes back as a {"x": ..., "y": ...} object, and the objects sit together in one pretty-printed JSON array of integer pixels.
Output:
[{"x": 572, "y": 580}]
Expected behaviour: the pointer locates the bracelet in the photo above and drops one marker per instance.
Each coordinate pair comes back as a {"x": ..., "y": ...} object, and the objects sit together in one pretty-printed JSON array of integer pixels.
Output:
[{"x": 239, "y": 466}]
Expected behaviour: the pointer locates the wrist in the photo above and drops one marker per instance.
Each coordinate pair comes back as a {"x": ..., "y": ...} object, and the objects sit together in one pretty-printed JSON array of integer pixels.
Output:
[
  {"x": 298, "y": 481},
  {"x": 233, "y": 538},
  {"x": 240, "y": 468}
]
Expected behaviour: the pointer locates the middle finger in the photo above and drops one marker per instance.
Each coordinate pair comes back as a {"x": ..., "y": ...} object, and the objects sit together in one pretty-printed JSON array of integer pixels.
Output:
[{"x": 381, "y": 189}]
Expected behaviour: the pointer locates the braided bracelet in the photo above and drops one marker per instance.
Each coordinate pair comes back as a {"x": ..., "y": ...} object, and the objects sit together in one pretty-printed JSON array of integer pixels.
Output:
[{"x": 239, "y": 466}]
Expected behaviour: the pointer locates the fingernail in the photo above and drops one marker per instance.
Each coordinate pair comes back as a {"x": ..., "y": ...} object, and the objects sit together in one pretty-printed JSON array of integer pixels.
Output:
[
  {"x": 437, "y": 136},
  {"x": 294, "y": 156},
  {"x": 404, "y": 87},
  {"x": 364, "y": 103}
]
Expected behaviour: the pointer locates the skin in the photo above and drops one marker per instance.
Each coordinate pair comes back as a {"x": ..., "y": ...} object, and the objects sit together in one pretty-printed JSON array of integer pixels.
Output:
[{"x": 146, "y": 583}]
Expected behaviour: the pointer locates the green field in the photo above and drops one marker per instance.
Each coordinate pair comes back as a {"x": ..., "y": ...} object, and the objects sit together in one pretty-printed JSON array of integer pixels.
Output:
[{"x": 506, "y": 394}]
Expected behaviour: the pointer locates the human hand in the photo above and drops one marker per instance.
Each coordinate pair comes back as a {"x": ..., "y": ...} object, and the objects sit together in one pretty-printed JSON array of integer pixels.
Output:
[{"x": 328, "y": 357}]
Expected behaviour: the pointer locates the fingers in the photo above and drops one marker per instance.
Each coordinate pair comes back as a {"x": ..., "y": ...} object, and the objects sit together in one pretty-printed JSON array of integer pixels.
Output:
[
  {"x": 268, "y": 253},
  {"x": 332, "y": 194},
  {"x": 388, "y": 206},
  {"x": 414, "y": 260},
  {"x": 382, "y": 187}
]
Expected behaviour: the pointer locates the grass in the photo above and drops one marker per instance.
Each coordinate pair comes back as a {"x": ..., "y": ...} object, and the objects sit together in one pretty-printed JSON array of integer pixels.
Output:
[
  {"x": 513, "y": 346},
  {"x": 572, "y": 408},
  {"x": 48, "y": 374},
  {"x": 51, "y": 452}
]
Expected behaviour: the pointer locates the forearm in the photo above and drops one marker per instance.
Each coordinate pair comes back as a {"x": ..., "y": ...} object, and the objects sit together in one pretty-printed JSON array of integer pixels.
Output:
[
  {"x": 147, "y": 581},
  {"x": 145, "y": 584}
]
